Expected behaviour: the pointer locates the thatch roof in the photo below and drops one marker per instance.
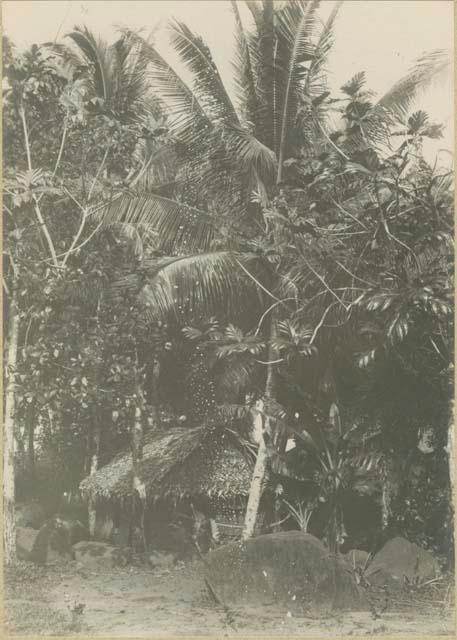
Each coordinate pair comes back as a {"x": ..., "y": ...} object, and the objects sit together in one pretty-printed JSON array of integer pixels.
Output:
[{"x": 178, "y": 462}]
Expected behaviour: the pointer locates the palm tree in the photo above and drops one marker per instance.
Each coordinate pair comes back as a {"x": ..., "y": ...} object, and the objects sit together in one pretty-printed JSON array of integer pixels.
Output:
[
  {"x": 227, "y": 150},
  {"x": 275, "y": 63}
]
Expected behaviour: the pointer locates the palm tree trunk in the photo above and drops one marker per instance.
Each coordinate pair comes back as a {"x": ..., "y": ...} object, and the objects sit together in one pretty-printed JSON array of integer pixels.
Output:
[
  {"x": 9, "y": 523},
  {"x": 258, "y": 476}
]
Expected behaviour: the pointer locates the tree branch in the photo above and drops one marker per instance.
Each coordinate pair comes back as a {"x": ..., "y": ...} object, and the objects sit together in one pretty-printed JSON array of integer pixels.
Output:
[
  {"x": 275, "y": 304},
  {"x": 105, "y": 155},
  {"x": 62, "y": 144},
  {"x": 337, "y": 149},
  {"x": 321, "y": 322},
  {"x": 5, "y": 286},
  {"x": 323, "y": 282},
  {"x": 346, "y": 213},
  {"x": 258, "y": 283},
  {"x": 39, "y": 215},
  {"x": 271, "y": 361}
]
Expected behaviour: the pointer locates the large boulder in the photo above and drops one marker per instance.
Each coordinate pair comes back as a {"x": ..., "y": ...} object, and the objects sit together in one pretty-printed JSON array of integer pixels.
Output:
[
  {"x": 100, "y": 555},
  {"x": 25, "y": 539},
  {"x": 288, "y": 568},
  {"x": 399, "y": 561}
]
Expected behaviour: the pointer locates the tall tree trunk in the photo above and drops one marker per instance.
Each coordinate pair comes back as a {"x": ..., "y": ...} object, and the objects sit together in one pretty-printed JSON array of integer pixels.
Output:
[
  {"x": 31, "y": 442},
  {"x": 452, "y": 460},
  {"x": 137, "y": 535},
  {"x": 91, "y": 510},
  {"x": 258, "y": 476},
  {"x": 20, "y": 445},
  {"x": 385, "y": 506},
  {"x": 155, "y": 389},
  {"x": 94, "y": 441},
  {"x": 255, "y": 490},
  {"x": 9, "y": 524}
]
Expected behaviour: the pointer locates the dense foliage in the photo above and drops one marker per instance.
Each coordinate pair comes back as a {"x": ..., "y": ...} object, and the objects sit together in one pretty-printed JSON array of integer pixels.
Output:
[{"x": 159, "y": 234}]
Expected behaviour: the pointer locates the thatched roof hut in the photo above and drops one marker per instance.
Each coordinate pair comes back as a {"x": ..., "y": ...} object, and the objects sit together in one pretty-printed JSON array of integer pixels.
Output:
[{"x": 177, "y": 463}]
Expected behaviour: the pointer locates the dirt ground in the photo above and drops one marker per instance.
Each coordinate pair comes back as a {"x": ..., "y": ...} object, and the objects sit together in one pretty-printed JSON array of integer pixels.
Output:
[{"x": 141, "y": 602}]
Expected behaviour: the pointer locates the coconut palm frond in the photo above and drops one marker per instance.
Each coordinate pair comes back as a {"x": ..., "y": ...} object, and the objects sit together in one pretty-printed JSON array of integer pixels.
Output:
[
  {"x": 131, "y": 73},
  {"x": 296, "y": 28},
  {"x": 157, "y": 166},
  {"x": 398, "y": 100},
  {"x": 315, "y": 83},
  {"x": 177, "y": 226},
  {"x": 244, "y": 72},
  {"x": 354, "y": 86},
  {"x": 261, "y": 44},
  {"x": 207, "y": 282},
  {"x": 188, "y": 119},
  {"x": 255, "y": 9},
  {"x": 252, "y": 154},
  {"x": 96, "y": 54},
  {"x": 315, "y": 87},
  {"x": 196, "y": 55}
]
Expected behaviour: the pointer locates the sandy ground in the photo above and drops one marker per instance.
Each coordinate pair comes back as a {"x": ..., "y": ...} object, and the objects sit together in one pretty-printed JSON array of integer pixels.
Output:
[{"x": 141, "y": 602}]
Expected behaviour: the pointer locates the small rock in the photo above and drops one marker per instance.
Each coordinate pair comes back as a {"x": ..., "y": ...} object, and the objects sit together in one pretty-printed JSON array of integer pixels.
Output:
[
  {"x": 30, "y": 515},
  {"x": 357, "y": 558},
  {"x": 101, "y": 555},
  {"x": 25, "y": 539},
  {"x": 161, "y": 560}
]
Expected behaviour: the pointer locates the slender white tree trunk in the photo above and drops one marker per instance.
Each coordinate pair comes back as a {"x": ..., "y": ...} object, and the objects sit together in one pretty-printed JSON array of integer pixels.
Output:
[
  {"x": 255, "y": 490},
  {"x": 155, "y": 378},
  {"x": 137, "y": 534},
  {"x": 452, "y": 457},
  {"x": 258, "y": 476},
  {"x": 92, "y": 512},
  {"x": 96, "y": 434},
  {"x": 9, "y": 524}
]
